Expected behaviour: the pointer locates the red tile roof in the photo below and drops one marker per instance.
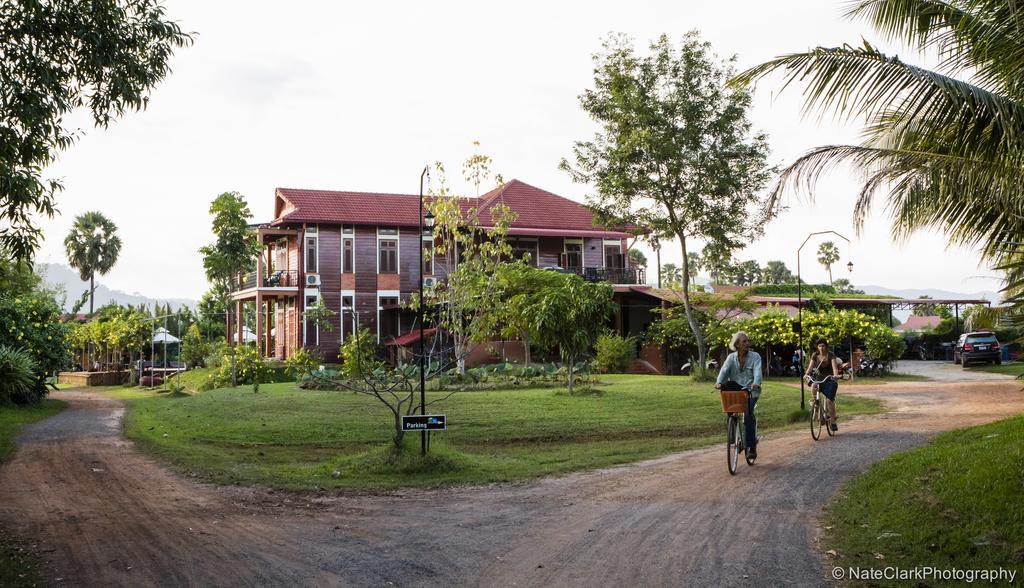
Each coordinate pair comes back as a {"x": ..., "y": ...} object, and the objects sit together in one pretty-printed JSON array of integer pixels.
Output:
[
  {"x": 536, "y": 209},
  {"x": 916, "y": 323}
]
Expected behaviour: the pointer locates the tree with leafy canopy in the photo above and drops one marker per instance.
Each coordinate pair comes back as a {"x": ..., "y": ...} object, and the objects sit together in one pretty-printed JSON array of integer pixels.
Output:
[
  {"x": 522, "y": 288},
  {"x": 776, "y": 272},
  {"x": 235, "y": 249},
  {"x": 717, "y": 260},
  {"x": 675, "y": 152},
  {"x": 637, "y": 258},
  {"x": 843, "y": 286},
  {"x": 570, "y": 316},
  {"x": 828, "y": 254},
  {"x": 92, "y": 247},
  {"x": 57, "y": 57}
]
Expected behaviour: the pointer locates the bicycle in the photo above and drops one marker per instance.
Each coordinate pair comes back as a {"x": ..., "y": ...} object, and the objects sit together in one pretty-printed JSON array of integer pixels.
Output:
[
  {"x": 734, "y": 403},
  {"x": 819, "y": 416}
]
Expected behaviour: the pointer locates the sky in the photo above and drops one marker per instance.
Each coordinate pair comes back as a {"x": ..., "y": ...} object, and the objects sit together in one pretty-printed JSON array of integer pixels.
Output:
[{"x": 360, "y": 96}]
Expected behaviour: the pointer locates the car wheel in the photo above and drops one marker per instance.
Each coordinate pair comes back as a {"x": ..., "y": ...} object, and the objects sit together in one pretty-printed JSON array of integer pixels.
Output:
[
  {"x": 956, "y": 359},
  {"x": 964, "y": 362},
  {"x": 999, "y": 361}
]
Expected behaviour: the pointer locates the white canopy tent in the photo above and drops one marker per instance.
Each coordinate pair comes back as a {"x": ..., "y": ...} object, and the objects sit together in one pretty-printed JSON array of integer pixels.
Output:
[
  {"x": 247, "y": 336},
  {"x": 162, "y": 336}
]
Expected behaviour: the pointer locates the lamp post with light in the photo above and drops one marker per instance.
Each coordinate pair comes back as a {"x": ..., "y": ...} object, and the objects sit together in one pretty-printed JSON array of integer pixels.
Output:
[
  {"x": 427, "y": 221},
  {"x": 800, "y": 303}
]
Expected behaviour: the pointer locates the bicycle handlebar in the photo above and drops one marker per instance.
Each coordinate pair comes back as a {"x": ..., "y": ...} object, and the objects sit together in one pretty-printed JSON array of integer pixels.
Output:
[{"x": 813, "y": 381}]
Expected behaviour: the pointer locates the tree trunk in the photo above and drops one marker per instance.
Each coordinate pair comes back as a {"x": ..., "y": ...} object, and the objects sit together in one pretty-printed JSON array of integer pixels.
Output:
[
  {"x": 92, "y": 290},
  {"x": 698, "y": 336},
  {"x": 830, "y": 275},
  {"x": 526, "y": 349},
  {"x": 399, "y": 433},
  {"x": 569, "y": 365}
]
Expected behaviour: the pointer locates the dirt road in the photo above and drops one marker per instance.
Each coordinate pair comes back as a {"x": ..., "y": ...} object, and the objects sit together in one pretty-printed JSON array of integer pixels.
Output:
[{"x": 107, "y": 515}]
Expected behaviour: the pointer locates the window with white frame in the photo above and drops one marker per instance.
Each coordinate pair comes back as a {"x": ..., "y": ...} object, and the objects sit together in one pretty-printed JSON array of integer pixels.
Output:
[
  {"x": 387, "y": 250},
  {"x": 524, "y": 249},
  {"x": 310, "y": 332},
  {"x": 348, "y": 249},
  {"x": 312, "y": 249}
]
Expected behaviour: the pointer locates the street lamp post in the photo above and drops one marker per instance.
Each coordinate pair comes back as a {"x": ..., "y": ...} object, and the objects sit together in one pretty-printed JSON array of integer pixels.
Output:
[
  {"x": 429, "y": 221},
  {"x": 800, "y": 303}
]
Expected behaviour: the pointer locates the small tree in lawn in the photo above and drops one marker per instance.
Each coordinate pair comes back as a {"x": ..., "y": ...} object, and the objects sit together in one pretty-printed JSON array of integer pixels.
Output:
[
  {"x": 522, "y": 288},
  {"x": 571, "y": 317},
  {"x": 675, "y": 153},
  {"x": 473, "y": 246},
  {"x": 828, "y": 254}
]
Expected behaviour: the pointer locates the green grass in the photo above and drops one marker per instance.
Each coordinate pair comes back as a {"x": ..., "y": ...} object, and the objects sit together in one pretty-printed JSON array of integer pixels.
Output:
[
  {"x": 955, "y": 503},
  {"x": 286, "y": 437},
  {"x": 18, "y": 565},
  {"x": 1011, "y": 369},
  {"x": 863, "y": 381}
]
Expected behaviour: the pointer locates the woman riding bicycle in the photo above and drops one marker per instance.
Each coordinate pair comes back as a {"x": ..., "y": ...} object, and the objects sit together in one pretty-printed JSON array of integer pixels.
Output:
[
  {"x": 824, "y": 363},
  {"x": 743, "y": 369}
]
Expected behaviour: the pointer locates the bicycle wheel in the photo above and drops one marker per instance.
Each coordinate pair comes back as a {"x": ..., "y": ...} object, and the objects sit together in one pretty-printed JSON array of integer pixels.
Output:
[
  {"x": 815, "y": 419},
  {"x": 732, "y": 443}
]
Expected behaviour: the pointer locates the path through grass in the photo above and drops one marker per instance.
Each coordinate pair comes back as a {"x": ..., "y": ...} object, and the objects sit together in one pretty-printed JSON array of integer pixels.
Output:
[{"x": 18, "y": 564}]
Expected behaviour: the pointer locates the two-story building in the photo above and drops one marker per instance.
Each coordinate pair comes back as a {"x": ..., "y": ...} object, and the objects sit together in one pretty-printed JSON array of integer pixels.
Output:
[{"x": 358, "y": 252}]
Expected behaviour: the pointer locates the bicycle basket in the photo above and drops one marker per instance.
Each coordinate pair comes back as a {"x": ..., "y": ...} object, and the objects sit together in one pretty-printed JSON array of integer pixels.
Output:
[{"x": 734, "y": 401}]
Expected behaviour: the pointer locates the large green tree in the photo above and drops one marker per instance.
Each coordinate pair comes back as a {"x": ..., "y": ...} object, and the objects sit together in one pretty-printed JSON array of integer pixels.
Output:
[
  {"x": 776, "y": 272},
  {"x": 675, "y": 152},
  {"x": 943, "y": 146},
  {"x": 233, "y": 252},
  {"x": 92, "y": 247},
  {"x": 55, "y": 57}
]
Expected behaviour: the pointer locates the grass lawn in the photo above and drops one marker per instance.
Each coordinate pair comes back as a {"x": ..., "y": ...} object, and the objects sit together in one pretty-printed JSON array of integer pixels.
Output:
[
  {"x": 286, "y": 437},
  {"x": 17, "y": 564},
  {"x": 1011, "y": 369},
  {"x": 865, "y": 381},
  {"x": 955, "y": 503}
]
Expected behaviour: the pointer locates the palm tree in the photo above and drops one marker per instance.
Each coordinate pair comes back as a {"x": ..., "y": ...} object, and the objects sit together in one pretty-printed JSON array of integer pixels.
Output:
[
  {"x": 92, "y": 247},
  {"x": 694, "y": 266},
  {"x": 776, "y": 272},
  {"x": 672, "y": 275},
  {"x": 946, "y": 146},
  {"x": 828, "y": 254}
]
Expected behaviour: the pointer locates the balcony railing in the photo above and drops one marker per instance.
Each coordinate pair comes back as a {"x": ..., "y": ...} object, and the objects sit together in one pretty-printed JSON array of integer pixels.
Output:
[
  {"x": 614, "y": 275},
  {"x": 275, "y": 279}
]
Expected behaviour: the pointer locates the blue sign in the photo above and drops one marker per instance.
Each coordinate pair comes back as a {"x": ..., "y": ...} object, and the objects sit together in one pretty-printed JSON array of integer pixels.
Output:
[{"x": 423, "y": 422}]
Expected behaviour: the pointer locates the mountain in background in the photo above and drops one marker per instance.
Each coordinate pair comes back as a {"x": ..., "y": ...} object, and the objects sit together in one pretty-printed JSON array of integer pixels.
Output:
[
  {"x": 994, "y": 297},
  {"x": 61, "y": 276}
]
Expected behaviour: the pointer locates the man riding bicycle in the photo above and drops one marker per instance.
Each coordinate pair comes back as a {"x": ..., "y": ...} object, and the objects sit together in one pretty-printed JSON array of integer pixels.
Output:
[
  {"x": 824, "y": 363},
  {"x": 742, "y": 369}
]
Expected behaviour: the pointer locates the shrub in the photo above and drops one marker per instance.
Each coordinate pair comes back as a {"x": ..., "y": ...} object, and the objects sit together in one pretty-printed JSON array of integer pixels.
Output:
[
  {"x": 300, "y": 363},
  {"x": 885, "y": 345},
  {"x": 31, "y": 322},
  {"x": 250, "y": 368},
  {"x": 216, "y": 352},
  {"x": 194, "y": 349},
  {"x": 359, "y": 355},
  {"x": 19, "y": 380},
  {"x": 613, "y": 353}
]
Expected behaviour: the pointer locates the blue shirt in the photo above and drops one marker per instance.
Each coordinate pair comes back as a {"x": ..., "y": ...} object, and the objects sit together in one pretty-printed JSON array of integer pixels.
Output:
[{"x": 746, "y": 376}]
